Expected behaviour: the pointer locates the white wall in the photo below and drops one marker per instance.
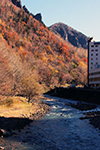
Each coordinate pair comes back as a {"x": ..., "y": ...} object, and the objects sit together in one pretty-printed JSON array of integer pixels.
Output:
[{"x": 92, "y": 51}]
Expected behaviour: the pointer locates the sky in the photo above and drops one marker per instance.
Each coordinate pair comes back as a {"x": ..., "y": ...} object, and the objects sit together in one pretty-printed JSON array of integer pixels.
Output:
[{"x": 82, "y": 15}]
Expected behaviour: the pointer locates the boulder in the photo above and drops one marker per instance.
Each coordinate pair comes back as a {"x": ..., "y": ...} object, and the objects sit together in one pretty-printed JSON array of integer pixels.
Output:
[
  {"x": 2, "y": 147},
  {"x": 4, "y": 133}
]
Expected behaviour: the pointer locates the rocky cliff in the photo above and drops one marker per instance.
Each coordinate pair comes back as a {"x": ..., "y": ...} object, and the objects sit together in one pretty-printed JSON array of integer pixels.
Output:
[
  {"x": 70, "y": 35},
  {"x": 37, "y": 16},
  {"x": 17, "y": 3}
]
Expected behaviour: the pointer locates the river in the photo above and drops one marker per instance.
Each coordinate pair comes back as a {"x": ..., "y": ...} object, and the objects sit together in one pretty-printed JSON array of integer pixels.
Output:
[{"x": 59, "y": 129}]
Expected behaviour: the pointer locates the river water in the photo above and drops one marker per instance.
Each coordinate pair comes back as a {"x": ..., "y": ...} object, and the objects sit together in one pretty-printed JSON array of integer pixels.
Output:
[{"x": 59, "y": 129}]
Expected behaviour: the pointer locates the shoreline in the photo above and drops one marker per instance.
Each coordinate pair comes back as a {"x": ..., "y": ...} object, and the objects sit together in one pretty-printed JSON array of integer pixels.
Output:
[
  {"x": 9, "y": 123},
  {"x": 19, "y": 132},
  {"x": 79, "y": 94},
  {"x": 7, "y": 128},
  {"x": 93, "y": 116}
]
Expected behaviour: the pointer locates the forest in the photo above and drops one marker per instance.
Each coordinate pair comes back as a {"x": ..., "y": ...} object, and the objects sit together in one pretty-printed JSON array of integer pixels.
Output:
[{"x": 32, "y": 58}]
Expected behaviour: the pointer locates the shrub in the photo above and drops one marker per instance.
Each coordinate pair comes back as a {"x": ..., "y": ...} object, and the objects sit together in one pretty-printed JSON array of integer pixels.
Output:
[
  {"x": 9, "y": 101},
  {"x": 30, "y": 87}
]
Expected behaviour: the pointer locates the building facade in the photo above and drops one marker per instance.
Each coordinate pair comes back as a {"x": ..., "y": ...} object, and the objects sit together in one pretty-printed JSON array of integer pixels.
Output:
[{"x": 93, "y": 63}]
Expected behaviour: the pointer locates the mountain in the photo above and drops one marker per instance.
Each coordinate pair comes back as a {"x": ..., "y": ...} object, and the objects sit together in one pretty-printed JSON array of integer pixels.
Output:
[
  {"x": 70, "y": 35},
  {"x": 17, "y": 3},
  {"x": 37, "y": 16},
  {"x": 32, "y": 56}
]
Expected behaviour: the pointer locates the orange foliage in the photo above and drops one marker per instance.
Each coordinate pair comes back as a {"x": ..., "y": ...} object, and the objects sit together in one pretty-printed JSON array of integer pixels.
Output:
[
  {"x": 85, "y": 59},
  {"x": 31, "y": 17},
  {"x": 59, "y": 44},
  {"x": 23, "y": 23},
  {"x": 49, "y": 50},
  {"x": 22, "y": 53},
  {"x": 33, "y": 43},
  {"x": 60, "y": 62}
]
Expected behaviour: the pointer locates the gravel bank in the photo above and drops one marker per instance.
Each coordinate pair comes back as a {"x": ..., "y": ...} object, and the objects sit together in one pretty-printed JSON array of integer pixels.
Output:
[
  {"x": 18, "y": 121},
  {"x": 94, "y": 118},
  {"x": 83, "y": 106}
]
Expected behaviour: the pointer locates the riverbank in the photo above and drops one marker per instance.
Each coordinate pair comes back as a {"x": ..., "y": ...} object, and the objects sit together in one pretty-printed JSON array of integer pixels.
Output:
[
  {"x": 94, "y": 116},
  {"x": 82, "y": 106},
  {"x": 61, "y": 128},
  {"x": 17, "y": 112},
  {"x": 79, "y": 94}
]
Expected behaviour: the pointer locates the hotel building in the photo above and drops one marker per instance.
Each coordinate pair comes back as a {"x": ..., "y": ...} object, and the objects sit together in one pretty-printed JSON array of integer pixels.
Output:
[{"x": 93, "y": 63}]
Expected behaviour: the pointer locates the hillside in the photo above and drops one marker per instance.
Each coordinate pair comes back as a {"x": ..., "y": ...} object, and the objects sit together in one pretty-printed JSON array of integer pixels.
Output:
[
  {"x": 32, "y": 58},
  {"x": 70, "y": 35},
  {"x": 19, "y": 4}
]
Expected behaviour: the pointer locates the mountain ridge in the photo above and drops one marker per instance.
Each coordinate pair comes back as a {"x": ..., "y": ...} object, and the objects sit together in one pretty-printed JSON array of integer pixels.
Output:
[
  {"x": 65, "y": 30},
  {"x": 69, "y": 34},
  {"x": 18, "y": 3}
]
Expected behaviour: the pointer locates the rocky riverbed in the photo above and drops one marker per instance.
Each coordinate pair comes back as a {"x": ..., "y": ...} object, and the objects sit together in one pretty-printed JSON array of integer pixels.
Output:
[
  {"x": 94, "y": 116},
  {"x": 83, "y": 106},
  {"x": 60, "y": 128}
]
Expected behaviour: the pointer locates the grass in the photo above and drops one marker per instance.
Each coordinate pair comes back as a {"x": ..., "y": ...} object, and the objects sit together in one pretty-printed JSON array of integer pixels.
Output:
[{"x": 17, "y": 107}]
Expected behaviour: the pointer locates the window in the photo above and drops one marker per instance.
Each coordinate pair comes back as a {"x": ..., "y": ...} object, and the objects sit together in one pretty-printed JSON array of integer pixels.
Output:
[
  {"x": 96, "y": 54},
  {"x": 96, "y": 45},
  {"x": 96, "y": 63},
  {"x": 91, "y": 58},
  {"x": 96, "y": 50},
  {"x": 91, "y": 54},
  {"x": 94, "y": 79},
  {"x": 94, "y": 73},
  {"x": 96, "y": 58},
  {"x": 91, "y": 67},
  {"x": 92, "y": 50},
  {"x": 91, "y": 63},
  {"x": 92, "y": 45}
]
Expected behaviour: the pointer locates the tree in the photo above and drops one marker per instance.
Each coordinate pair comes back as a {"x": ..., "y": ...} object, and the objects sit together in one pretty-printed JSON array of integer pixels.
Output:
[{"x": 30, "y": 87}]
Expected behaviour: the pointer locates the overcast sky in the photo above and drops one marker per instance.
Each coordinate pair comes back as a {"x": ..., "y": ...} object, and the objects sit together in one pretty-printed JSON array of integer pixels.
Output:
[{"x": 82, "y": 15}]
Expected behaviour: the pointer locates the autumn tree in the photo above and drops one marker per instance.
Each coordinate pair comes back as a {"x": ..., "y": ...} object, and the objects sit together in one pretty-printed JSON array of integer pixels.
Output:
[{"x": 30, "y": 87}]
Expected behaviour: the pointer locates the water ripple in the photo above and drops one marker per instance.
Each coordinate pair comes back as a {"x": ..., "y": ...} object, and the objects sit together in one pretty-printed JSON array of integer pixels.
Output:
[{"x": 60, "y": 129}]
